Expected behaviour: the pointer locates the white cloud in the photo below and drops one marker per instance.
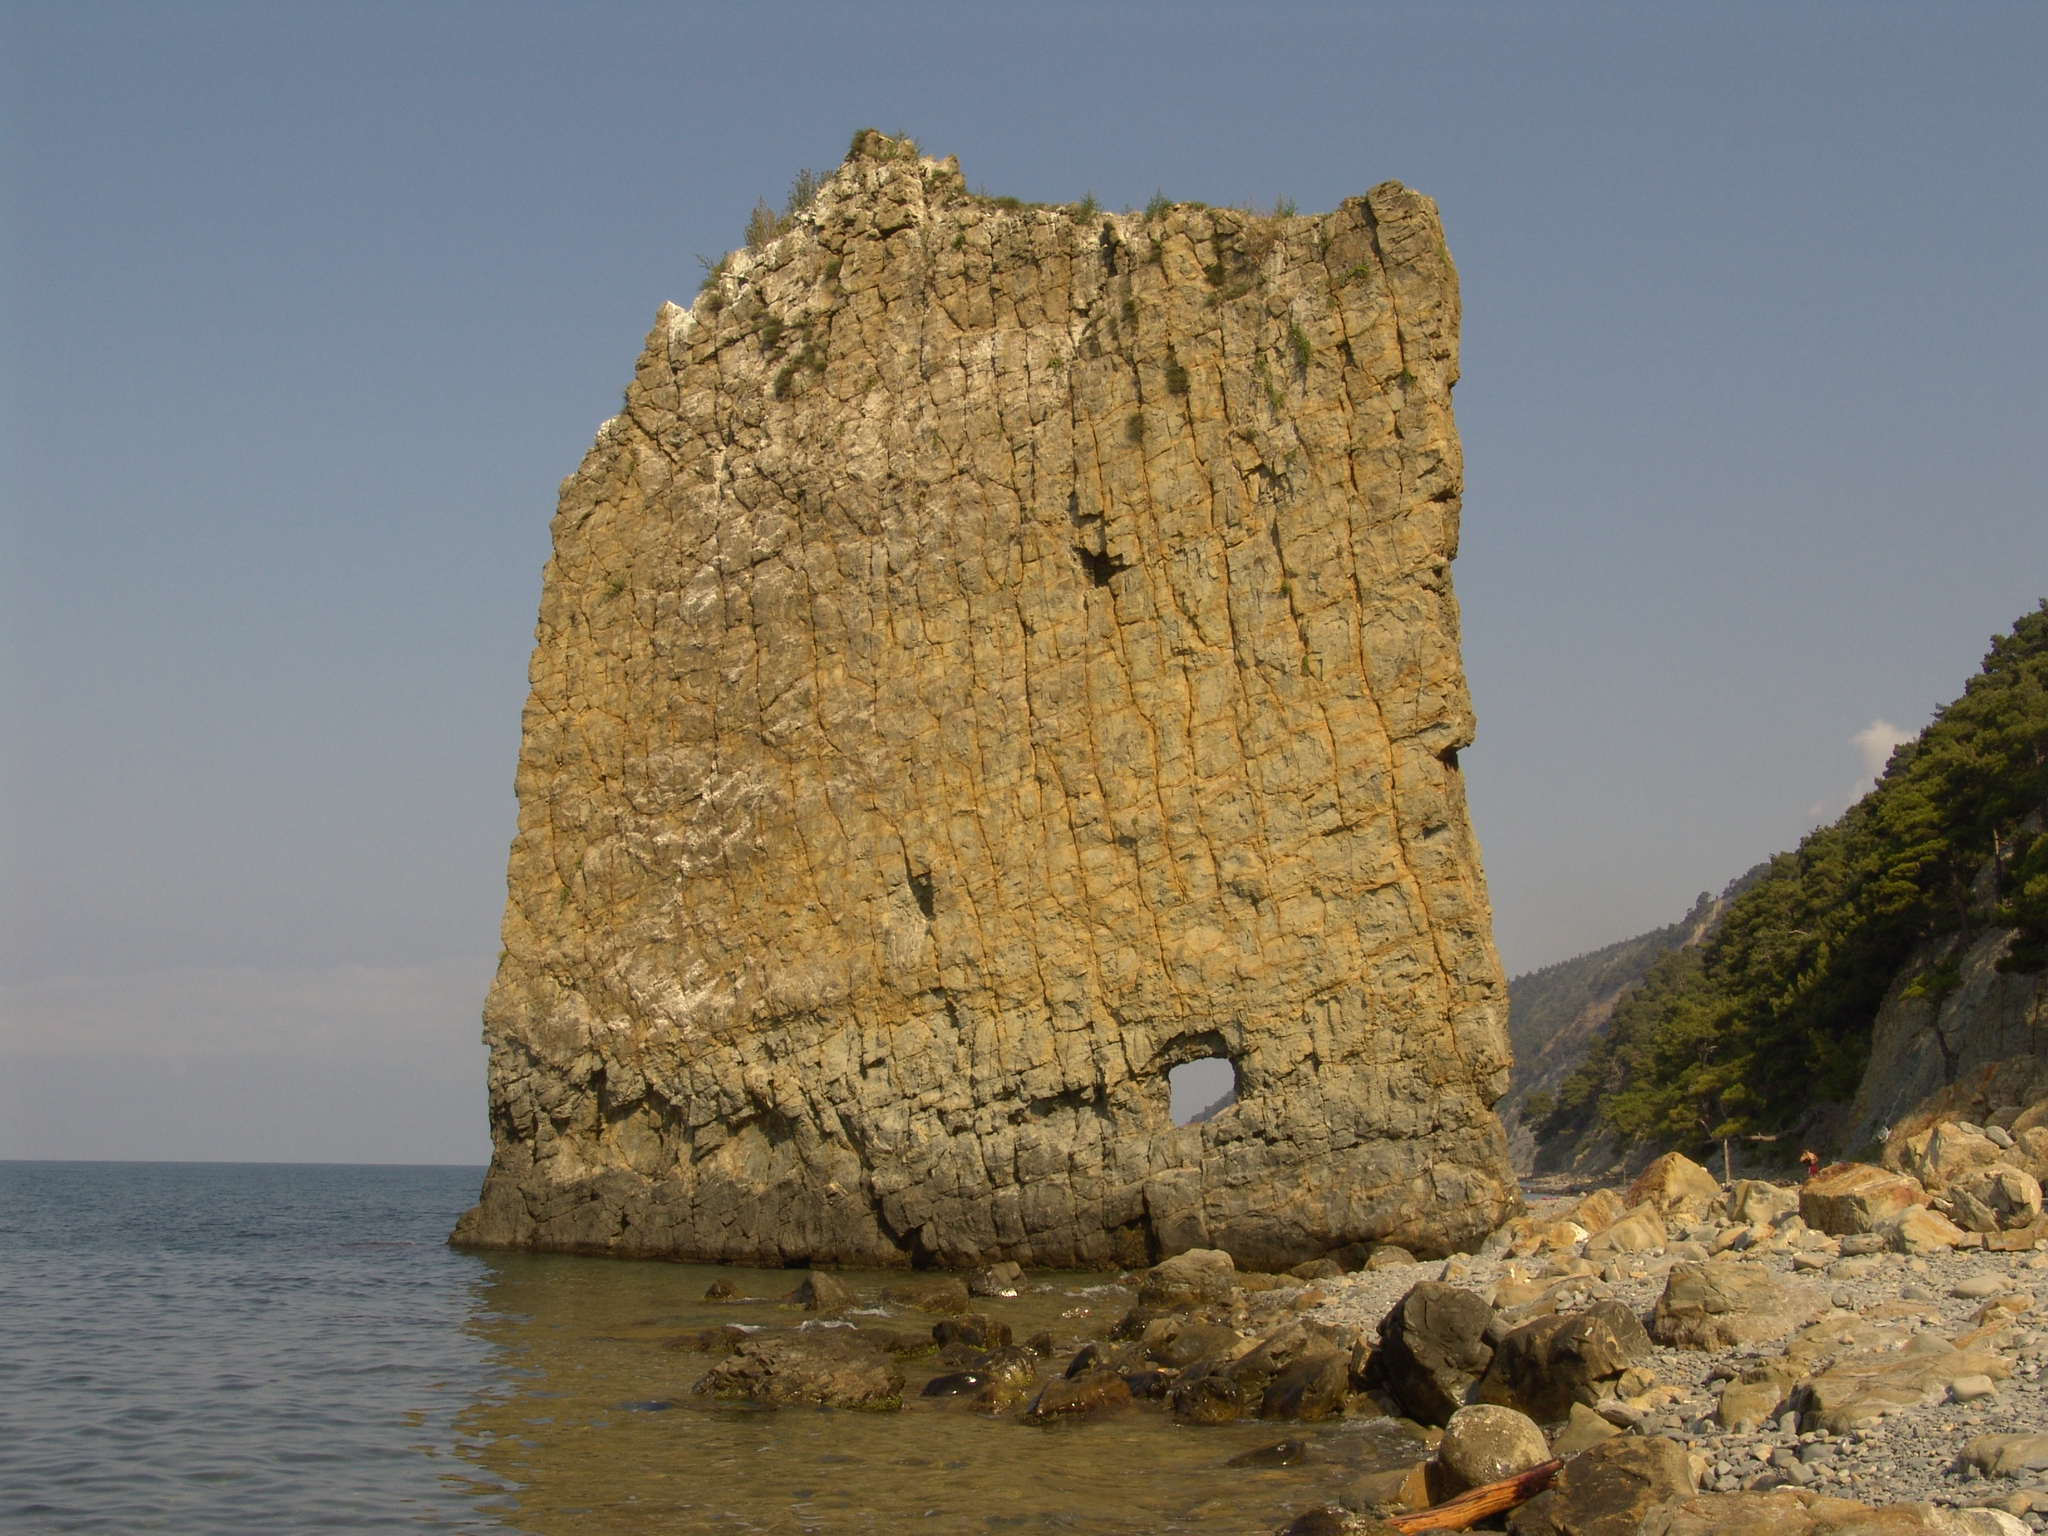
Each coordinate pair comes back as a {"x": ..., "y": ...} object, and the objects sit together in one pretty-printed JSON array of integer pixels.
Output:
[{"x": 1875, "y": 743}]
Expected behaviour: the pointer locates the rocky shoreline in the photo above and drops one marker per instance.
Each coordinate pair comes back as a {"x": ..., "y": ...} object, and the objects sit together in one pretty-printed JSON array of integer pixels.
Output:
[{"x": 1829, "y": 1357}]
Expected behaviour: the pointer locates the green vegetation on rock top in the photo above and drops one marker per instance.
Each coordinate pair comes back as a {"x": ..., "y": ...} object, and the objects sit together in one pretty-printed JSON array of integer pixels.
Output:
[{"x": 1771, "y": 1017}]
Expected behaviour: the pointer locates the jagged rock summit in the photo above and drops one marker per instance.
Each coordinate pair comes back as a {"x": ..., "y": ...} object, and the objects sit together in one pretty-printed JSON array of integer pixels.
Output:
[{"x": 998, "y": 654}]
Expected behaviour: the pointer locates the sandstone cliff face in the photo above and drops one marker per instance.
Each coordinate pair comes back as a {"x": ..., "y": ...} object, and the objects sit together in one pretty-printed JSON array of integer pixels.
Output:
[{"x": 996, "y": 656}]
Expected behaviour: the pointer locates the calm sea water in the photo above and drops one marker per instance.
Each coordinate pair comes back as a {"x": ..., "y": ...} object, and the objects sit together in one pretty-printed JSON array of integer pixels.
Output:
[{"x": 224, "y": 1348}]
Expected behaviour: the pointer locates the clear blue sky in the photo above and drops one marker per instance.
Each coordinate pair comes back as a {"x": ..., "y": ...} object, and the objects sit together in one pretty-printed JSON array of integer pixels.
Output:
[{"x": 308, "y": 308}]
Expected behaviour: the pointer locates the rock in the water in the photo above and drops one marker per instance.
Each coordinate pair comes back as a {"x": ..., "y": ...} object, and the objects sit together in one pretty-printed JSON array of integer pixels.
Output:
[
  {"x": 1674, "y": 1184},
  {"x": 1191, "y": 1279},
  {"x": 831, "y": 1367},
  {"x": 1484, "y": 1443},
  {"x": 1282, "y": 1453},
  {"x": 1846, "y": 1198},
  {"x": 1543, "y": 1367},
  {"x": 975, "y": 1329},
  {"x": 1717, "y": 1306},
  {"x": 1607, "y": 1490},
  {"x": 1314, "y": 1387},
  {"x": 996, "y": 1280},
  {"x": 1088, "y": 1395},
  {"x": 1433, "y": 1348},
  {"x": 1206, "y": 1393},
  {"x": 946, "y": 1294},
  {"x": 724, "y": 1290},
  {"x": 922, "y": 760},
  {"x": 821, "y": 1292}
]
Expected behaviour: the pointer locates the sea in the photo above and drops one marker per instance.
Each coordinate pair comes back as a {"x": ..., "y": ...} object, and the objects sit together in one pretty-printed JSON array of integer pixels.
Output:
[{"x": 202, "y": 1348}]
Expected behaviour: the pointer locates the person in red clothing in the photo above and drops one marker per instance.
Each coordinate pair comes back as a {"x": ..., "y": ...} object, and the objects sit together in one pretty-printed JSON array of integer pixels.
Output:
[{"x": 1810, "y": 1162}]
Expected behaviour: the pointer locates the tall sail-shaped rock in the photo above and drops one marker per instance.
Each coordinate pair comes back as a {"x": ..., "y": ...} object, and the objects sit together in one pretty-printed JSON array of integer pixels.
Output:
[{"x": 998, "y": 654}]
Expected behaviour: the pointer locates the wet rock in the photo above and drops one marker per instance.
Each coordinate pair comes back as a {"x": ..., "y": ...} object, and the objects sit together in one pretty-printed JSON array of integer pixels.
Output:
[
  {"x": 1543, "y": 1367},
  {"x": 1192, "y": 1279},
  {"x": 977, "y": 1330},
  {"x": 1089, "y": 1395},
  {"x": 1008, "y": 1376},
  {"x": 1041, "y": 1344},
  {"x": 1181, "y": 1343},
  {"x": 1132, "y": 1324},
  {"x": 996, "y": 1280},
  {"x": 1849, "y": 1198},
  {"x": 1282, "y": 1453},
  {"x": 708, "y": 1339},
  {"x": 1101, "y": 1355},
  {"x": 1206, "y": 1394},
  {"x": 895, "y": 1342},
  {"x": 954, "y": 1384},
  {"x": 947, "y": 1294},
  {"x": 1314, "y": 1387},
  {"x": 1720, "y": 1305},
  {"x": 1397, "y": 1488},
  {"x": 1149, "y": 1385},
  {"x": 1433, "y": 1349},
  {"x": 1806, "y": 1512},
  {"x": 1674, "y": 1184},
  {"x": 819, "y": 1291},
  {"x": 724, "y": 1290},
  {"x": 832, "y": 1368},
  {"x": 1607, "y": 1490},
  {"x": 1485, "y": 1443}
]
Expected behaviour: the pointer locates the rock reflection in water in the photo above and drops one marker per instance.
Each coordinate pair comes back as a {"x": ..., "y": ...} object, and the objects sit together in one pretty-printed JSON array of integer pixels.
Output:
[{"x": 596, "y": 1427}]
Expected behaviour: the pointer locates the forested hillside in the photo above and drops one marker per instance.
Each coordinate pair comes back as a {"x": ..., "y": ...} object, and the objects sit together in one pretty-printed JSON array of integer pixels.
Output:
[{"x": 1766, "y": 1025}]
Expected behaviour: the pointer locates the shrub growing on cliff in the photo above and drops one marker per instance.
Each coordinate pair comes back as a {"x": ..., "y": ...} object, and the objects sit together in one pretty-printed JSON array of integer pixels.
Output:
[{"x": 1773, "y": 1014}]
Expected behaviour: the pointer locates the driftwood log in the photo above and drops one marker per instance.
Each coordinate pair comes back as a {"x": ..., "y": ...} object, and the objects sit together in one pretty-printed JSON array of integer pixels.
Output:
[{"x": 1475, "y": 1504}]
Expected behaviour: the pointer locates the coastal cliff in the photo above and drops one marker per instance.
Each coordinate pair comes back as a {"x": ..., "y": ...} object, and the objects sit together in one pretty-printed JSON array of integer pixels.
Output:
[{"x": 998, "y": 654}]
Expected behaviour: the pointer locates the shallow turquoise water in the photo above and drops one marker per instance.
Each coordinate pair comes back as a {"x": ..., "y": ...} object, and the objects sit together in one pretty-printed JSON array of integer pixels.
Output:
[{"x": 201, "y": 1348}]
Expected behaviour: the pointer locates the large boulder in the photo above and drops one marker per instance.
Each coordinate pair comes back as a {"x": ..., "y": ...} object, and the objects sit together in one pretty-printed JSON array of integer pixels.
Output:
[
  {"x": 1946, "y": 1152},
  {"x": 829, "y": 1368},
  {"x": 1674, "y": 1184},
  {"x": 1846, "y": 1198},
  {"x": 1918, "y": 1230},
  {"x": 1642, "y": 1228},
  {"x": 1485, "y": 1443},
  {"x": 1545, "y": 1366},
  {"x": 946, "y": 1293},
  {"x": 1717, "y": 1306},
  {"x": 1433, "y": 1349},
  {"x": 1608, "y": 1489},
  {"x": 1192, "y": 1279},
  {"x": 2009, "y": 1197},
  {"x": 1758, "y": 1202}
]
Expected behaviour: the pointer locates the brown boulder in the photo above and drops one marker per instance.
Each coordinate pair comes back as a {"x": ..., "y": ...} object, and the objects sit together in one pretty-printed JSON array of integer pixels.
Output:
[
  {"x": 1543, "y": 1367},
  {"x": 1314, "y": 1387},
  {"x": 1674, "y": 1183},
  {"x": 822, "y": 1292},
  {"x": 1433, "y": 1348},
  {"x": 1089, "y": 1395},
  {"x": 1192, "y": 1279},
  {"x": 1716, "y": 1306},
  {"x": 1607, "y": 1490},
  {"x": 1846, "y": 1198}
]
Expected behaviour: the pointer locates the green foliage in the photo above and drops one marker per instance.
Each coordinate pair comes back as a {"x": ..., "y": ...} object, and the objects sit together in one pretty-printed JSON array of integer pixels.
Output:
[
  {"x": 1283, "y": 208},
  {"x": 803, "y": 191},
  {"x": 1134, "y": 428},
  {"x": 1773, "y": 1014},
  {"x": 1087, "y": 208},
  {"x": 1536, "y": 1107},
  {"x": 1158, "y": 205},
  {"x": 1297, "y": 341},
  {"x": 1176, "y": 375}
]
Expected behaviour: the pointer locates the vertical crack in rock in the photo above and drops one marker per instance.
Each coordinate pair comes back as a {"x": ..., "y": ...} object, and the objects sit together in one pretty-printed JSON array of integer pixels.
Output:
[{"x": 996, "y": 656}]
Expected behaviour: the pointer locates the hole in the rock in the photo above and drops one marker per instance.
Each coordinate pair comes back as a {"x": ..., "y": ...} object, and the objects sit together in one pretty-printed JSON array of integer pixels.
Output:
[{"x": 1202, "y": 1089}]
